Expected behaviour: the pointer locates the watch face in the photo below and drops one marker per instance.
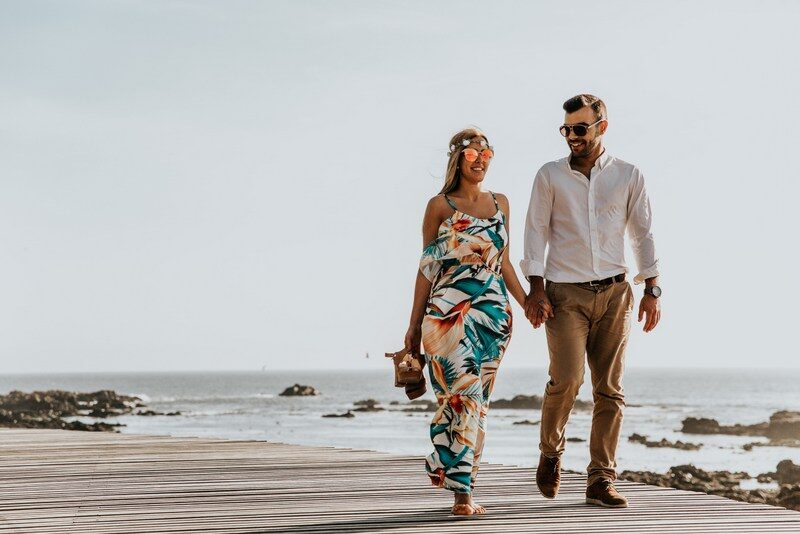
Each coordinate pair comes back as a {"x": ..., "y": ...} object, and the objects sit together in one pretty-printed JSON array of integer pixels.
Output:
[{"x": 655, "y": 291}]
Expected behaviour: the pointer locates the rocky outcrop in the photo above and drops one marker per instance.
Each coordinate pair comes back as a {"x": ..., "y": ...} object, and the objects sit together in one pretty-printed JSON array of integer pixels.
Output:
[
  {"x": 518, "y": 402},
  {"x": 299, "y": 390},
  {"x": 722, "y": 483},
  {"x": 787, "y": 472},
  {"x": 48, "y": 409},
  {"x": 704, "y": 425},
  {"x": 422, "y": 405},
  {"x": 772, "y": 443},
  {"x": 24, "y": 420},
  {"x": 151, "y": 412},
  {"x": 788, "y": 497},
  {"x": 367, "y": 405},
  {"x": 59, "y": 403},
  {"x": 531, "y": 402},
  {"x": 783, "y": 425},
  {"x": 638, "y": 438},
  {"x": 526, "y": 422},
  {"x": 347, "y": 414}
]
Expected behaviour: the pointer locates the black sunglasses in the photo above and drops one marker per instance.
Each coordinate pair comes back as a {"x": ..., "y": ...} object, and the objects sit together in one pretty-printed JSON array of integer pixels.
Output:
[{"x": 580, "y": 129}]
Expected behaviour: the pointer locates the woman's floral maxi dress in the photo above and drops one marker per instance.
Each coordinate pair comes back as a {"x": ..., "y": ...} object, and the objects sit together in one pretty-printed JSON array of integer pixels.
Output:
[{"x": 465, "y": 331}]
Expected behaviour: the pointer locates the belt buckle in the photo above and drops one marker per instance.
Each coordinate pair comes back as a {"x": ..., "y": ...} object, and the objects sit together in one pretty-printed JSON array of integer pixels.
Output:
[{"x": 594, "y": 283}]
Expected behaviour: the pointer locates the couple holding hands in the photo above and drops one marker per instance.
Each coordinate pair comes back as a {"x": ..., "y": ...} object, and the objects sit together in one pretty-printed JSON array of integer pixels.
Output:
[{"x": 580, "y": 209}]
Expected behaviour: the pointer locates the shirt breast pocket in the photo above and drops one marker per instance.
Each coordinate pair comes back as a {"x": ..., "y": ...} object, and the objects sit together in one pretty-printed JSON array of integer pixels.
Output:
[{"x": 615, "y": 209}]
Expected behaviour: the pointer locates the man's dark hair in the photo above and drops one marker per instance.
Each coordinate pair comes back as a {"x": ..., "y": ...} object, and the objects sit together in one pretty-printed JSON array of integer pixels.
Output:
[{"x": 580, "y": 101}]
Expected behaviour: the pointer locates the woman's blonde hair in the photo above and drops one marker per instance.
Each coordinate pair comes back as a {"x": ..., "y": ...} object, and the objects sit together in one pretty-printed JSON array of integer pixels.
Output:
[{"x": 456, "y": 145}]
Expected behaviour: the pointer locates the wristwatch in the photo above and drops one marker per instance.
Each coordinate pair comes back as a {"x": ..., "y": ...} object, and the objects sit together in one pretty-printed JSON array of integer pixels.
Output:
[{"x": 654, "y": 291}]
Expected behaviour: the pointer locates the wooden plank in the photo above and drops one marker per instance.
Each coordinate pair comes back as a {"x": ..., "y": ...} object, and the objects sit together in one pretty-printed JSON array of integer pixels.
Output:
[{"x": 60, "y": 481}]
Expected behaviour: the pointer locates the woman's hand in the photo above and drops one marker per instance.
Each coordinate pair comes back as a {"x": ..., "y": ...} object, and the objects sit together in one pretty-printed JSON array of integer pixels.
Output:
[
  {"x": 538, "y": 308},
  {"x": 414, "y": 339}
]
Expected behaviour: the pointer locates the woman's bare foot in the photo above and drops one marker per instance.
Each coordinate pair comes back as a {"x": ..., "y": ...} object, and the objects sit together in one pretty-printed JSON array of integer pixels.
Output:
[
  {"x": 463, "y": 509},
  {"x": 464, "y": 505}
]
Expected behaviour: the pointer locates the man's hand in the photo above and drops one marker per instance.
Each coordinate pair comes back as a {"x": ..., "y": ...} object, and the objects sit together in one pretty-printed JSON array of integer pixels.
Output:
[
  {"x": 538, "y": 308},
  {"x": 649, "y": 308}
]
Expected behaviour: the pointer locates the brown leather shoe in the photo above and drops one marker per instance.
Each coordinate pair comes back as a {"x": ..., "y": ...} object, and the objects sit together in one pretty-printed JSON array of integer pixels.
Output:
[
  {"x": 548, "y": 476},
  {"x": 603, "y": 493}
]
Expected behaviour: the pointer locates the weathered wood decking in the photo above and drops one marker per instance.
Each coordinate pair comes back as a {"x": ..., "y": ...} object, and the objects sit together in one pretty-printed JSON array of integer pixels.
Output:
[{"x": 55, "y": 481}]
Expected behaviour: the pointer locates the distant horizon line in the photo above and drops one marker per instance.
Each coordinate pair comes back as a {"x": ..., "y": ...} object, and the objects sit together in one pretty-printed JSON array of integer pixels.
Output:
[{"x": 376, "y": 369}]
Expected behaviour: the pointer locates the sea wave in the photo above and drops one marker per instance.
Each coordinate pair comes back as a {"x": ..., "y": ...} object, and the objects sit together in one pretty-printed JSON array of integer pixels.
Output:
[{"x": 210, "y": 399}]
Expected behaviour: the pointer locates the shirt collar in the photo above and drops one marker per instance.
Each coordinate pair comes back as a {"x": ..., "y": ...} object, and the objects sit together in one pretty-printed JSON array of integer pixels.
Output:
[{"x": 601, "y": 162}]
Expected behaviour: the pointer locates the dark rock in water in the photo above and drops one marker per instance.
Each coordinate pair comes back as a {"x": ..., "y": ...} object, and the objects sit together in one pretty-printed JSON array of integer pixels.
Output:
[
  {"x": 24, "y": 420},
  {"x": 299, "y": 390},
  {"x": 788, "y": 472},
  {"x": 704, "y": 425},
  {"x": 576, "y": 440},
  {"x": 766, "y": 478},
  {"x": 348, "y": 414},
  {"x": 531, "y": 402},
  {"x": 421, "y": 405},
  {"x": 368, "y": 405},
  {"x": 784, "y": 425},
  {"x": 58, "y": 403},
  {"x": 638, "y": 438},
  {"x": 47, "y": 409},
  {"x": 519, "y": 402},
  {"x": 722, "y": 483},
  {"x": 92, "y": 427},
  {"x": 772, "y": 443},
  {"x": 526, "y": 422},
  {"x": 394, "y": 403},
  {"x": 788, "y": 496},
  {"x": 689, "y": 477}
]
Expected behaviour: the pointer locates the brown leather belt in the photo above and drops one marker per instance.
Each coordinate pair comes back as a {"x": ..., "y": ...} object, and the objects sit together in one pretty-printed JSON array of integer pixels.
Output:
[{"x": 607, "y": 281}]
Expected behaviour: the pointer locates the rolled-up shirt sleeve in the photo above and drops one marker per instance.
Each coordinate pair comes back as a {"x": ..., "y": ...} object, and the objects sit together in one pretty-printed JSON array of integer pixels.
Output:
[
  {"x": 537, "y": 226},
  {"x": 640, "y": 219}
]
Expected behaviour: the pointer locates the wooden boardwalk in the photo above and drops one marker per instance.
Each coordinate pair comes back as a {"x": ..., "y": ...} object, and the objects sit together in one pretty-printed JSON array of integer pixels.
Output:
[{"x": 54, "y": 481}]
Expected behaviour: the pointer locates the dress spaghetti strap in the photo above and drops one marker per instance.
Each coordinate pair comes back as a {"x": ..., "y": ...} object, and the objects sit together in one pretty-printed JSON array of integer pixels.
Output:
[
  {"x": 496, "y": 205},
  {"x": 450, "y": 202}
]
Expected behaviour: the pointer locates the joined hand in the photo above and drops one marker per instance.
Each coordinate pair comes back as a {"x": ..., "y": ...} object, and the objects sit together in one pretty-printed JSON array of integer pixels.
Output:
[{"x": 538, "y": 308}]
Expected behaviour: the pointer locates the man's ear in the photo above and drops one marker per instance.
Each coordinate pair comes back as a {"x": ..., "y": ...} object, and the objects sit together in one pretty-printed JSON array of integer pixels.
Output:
[{"x": 603, "y": 126}]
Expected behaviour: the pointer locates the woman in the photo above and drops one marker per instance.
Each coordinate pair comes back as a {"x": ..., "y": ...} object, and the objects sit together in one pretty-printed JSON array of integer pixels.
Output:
[{"x": 461, "y": 312}]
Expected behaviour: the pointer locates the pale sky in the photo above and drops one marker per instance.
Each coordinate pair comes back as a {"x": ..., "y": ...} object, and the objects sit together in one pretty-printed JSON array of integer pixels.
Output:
[{"x": 230, "y": 185}]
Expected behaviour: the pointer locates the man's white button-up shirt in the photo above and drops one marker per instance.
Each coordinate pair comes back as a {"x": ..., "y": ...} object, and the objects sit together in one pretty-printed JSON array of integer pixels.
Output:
[{"x": 582, "y": 222}]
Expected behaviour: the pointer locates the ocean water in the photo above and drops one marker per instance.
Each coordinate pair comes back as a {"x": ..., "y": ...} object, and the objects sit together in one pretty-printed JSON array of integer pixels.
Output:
[{"x": 247, "y": 405}]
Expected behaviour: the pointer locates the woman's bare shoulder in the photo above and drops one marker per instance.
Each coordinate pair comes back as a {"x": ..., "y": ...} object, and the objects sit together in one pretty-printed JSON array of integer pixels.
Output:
[
  {"x": 439, "y": 207},
  {"x": 502, "y": 200}
]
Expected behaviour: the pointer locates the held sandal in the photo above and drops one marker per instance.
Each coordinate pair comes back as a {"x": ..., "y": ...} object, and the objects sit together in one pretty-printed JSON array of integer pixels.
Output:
[{"x": 408, "y": 373}]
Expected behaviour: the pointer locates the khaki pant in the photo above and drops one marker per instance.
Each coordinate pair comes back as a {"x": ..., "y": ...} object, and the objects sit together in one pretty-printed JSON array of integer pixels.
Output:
[{"x": 590, "y": 324}]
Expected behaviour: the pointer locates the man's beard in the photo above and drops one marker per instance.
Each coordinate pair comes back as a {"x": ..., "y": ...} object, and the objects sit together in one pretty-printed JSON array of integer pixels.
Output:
[{"x": 587, "y": 149}]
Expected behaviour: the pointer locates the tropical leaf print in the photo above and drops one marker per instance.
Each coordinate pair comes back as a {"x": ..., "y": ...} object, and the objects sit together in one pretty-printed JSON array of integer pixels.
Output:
[{"x": 465, "y": 332}]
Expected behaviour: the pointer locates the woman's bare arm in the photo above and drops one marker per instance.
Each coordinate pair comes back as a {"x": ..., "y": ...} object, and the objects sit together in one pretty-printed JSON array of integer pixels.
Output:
[
  {"x": 507, "y": 268},
  {"x": 434, "y": 215}
]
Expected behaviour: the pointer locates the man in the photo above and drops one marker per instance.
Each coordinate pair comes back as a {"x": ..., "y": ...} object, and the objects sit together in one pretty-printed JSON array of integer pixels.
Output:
[{"x": 580, "y": 208}]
